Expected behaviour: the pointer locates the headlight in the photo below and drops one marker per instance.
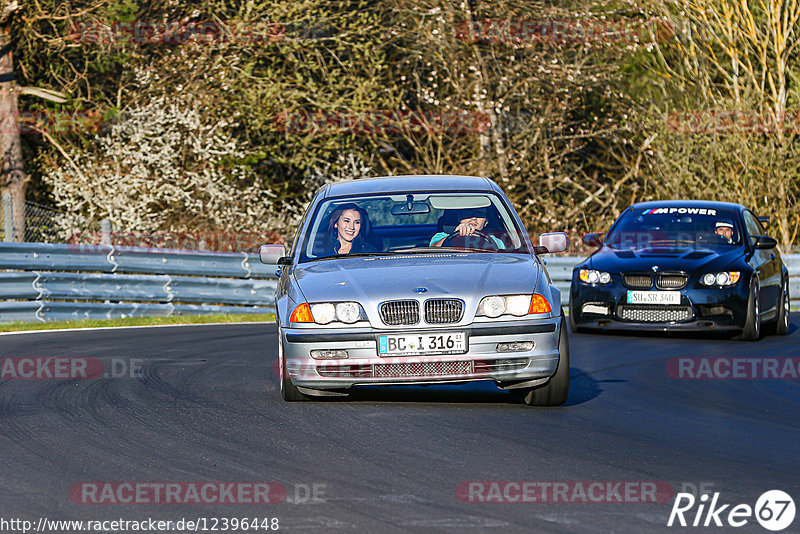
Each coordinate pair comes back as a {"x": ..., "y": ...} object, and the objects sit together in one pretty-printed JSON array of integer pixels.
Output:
[
  {"x": 492, "y": 306},
  {"x": 323, "y": 313},
  {"x": 348, "y": 312},
  {"x": 724, "y": 278},
  {"x": 327, "y": 312},
  {"x": 518, "y": 305},
  {"x": 590, "y": 276}
]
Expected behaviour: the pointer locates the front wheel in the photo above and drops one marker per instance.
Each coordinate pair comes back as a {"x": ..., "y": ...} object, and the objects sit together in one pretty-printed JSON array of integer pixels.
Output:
[
  {"x": 752, "y": 325},
  {"x": 573, "y": 326},
  {"x": 289, "y": 391},
  {"x": 782, "y": 324},
  {"x": 555, "y": 392}
]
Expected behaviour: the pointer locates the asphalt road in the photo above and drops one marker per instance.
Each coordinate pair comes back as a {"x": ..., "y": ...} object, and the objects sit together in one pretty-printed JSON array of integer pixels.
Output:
[{"x": 205, "y": 407}]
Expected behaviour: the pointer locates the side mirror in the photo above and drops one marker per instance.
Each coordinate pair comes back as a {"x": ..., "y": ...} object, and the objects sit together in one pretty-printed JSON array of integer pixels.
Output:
[
  {"x": 273, "y": 254},
  {"x": 552, "y": 242},
  {"x": 592, "y": 240},
  {"x": 764, "y": 242}
]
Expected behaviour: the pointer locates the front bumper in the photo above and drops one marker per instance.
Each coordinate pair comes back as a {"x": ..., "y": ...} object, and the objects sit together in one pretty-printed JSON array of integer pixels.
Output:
[
  {"x": 364, "y": 366},
  {"x": 709, "y": 309}
]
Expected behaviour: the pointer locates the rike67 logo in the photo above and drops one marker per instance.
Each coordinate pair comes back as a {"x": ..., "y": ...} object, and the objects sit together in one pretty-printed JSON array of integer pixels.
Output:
[{"x": 774, "y": 510}]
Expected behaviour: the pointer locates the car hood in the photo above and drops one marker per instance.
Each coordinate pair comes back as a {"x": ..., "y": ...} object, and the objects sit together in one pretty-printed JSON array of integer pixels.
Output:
[
  {"x": 462, "y": 275},
  {"x": 687, "y": 259}
]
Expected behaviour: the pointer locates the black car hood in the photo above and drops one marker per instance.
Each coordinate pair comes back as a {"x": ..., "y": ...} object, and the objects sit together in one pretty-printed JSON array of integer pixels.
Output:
[{"x": 674, "y": 258}]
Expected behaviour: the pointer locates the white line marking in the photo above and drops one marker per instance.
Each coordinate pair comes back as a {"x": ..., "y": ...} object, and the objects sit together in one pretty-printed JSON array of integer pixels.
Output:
[{"x": 88, "y": 329}]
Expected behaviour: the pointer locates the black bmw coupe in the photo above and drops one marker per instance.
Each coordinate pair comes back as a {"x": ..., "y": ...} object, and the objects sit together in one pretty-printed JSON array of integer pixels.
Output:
[{"x": 683, "y": 265}]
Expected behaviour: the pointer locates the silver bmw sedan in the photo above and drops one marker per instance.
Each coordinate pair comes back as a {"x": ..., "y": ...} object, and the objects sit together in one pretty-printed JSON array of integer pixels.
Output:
[{"x": 418, "y": 280}]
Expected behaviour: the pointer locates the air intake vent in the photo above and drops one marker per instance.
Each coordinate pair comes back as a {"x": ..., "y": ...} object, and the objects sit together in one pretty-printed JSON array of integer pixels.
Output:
[
  {"x": 400, "y": 312},
  {"x": 671, "y": 281},
  {"x": 643, "y": 313},
  {"x": 443, "y": 311},
  {"x": 637, "y": 281}
]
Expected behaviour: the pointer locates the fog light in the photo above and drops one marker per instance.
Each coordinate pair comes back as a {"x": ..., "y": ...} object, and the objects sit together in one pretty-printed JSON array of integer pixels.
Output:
[
  {"x": 515, "y": 346},
  {"x": 599, "y": 309},
  {"x": 328, "y": 354}
]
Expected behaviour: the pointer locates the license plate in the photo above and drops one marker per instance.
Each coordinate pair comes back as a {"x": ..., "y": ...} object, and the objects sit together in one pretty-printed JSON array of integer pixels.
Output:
[
  {"x": 420, "y": 344},
  {"x": 654, "y": 297}
]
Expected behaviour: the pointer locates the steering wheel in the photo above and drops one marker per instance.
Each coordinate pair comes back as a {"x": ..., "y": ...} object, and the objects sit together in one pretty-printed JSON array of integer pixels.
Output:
[{"x": 476, "y": 239}]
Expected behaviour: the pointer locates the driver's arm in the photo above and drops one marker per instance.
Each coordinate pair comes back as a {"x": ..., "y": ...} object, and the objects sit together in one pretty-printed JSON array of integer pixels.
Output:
[{"x": 438, "y": 239}]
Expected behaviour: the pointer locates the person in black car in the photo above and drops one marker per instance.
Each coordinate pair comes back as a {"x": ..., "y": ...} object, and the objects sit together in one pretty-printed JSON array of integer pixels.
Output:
[{"x": 724, "y": 229}]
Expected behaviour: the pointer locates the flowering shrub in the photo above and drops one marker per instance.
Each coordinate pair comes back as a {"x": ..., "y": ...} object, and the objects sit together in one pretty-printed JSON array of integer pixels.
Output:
[{"x": 161, "y": 166}]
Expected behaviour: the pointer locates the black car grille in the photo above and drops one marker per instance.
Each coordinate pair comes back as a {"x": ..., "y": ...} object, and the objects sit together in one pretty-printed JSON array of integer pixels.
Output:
[
  {"x": 671, "y": 281},
  {"x": 637, "y": 281},
  {"x": 443, "y": 311},
  {"x": 648, "y": 313},
  {"x": 400, "y": 312}
]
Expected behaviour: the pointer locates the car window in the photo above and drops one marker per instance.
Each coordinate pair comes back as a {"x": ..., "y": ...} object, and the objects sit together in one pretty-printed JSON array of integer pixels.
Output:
[
  {"x": 670, "y": 225},
  {"x": 753, "y": 226},
  {"x": 406, "y": 222}
]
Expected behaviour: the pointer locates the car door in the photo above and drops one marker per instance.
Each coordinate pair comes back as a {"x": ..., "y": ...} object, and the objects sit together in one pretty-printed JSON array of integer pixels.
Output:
[{"x": 766, "y": 263}]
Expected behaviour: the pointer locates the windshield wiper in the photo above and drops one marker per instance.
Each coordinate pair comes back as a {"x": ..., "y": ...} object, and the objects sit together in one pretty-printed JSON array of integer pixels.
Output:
[
  {"x": 353, "y": 255},
  {"x": 426, "y": 250}
]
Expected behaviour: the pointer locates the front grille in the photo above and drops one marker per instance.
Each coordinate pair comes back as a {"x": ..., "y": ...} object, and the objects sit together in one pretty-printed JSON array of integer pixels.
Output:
[
  {"x": 426, "y": 369},
  {"x": 648, "y": 313},
  {"x": 443, "y": 311},
  {"x": 671, "y": 281},
  {"x": 399, "y": 312},
  {"x": 637, "y": 281}
]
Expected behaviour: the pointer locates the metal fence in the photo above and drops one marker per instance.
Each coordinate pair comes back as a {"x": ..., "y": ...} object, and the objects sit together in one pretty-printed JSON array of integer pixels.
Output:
[
  {"x": 40, "y": 222},
  {"x": 46, "y": 281}
]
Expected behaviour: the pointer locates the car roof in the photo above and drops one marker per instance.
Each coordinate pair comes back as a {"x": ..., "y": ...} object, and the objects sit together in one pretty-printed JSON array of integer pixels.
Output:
[
  {"x": 687, "y": 204},
  {"x": 409, "y": 183}
]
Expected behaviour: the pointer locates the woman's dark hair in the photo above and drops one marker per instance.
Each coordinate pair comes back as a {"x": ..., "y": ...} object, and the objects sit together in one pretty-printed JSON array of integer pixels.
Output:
[{"x": 337, "y": 213}]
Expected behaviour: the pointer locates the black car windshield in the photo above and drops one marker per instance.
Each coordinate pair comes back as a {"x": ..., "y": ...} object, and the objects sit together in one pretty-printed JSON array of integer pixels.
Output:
[
  {"x": 667, "y": 226},
  {"x": 411, "y": 223}
]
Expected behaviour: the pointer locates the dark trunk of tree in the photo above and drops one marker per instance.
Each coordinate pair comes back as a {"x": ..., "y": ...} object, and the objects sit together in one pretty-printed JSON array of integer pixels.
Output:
[{"x": 12, "y": 174}]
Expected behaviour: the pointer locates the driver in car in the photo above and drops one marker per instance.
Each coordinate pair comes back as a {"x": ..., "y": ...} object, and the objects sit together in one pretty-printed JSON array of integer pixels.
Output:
[
  {"x": 724, "y": 229},
  {"x": 470, "y": 221}
]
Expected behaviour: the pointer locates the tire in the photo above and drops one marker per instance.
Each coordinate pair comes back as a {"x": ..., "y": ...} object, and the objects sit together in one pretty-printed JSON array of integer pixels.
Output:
[
  {"x": 782, "y": 324},
  {"x": 574, "y": 328},
  {"x": 555, "y": 392},
  {"x": 752, "y": 326},
  {"x": 289, "y": 391}
]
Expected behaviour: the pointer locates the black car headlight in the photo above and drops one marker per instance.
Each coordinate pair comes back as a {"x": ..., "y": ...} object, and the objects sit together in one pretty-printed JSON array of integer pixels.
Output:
[
  {"x": 591, "y": 276},
  {"x": 724, "y": 278}
]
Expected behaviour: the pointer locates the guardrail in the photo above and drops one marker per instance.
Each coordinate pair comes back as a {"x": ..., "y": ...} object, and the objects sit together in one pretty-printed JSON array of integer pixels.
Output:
[
  {"x": 47, "y": 281},
  {"x": 560, "y": 269},
  {"x": 60, "y": 282}
]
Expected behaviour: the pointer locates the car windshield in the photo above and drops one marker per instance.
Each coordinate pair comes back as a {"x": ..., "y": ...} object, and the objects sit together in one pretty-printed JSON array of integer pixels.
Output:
[
  {"x": 667, "y": 226},
  {"x": 407, "y": 223}
]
